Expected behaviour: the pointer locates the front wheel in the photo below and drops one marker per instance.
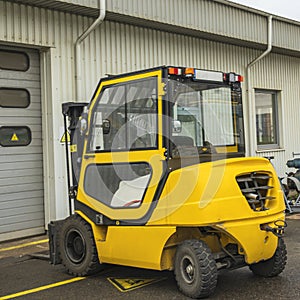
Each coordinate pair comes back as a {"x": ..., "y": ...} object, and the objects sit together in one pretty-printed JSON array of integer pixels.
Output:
[
  {"x": 273, "y": 266},
  {"x": 77, "y": 247},
  {"x": 195, "y": 269}
]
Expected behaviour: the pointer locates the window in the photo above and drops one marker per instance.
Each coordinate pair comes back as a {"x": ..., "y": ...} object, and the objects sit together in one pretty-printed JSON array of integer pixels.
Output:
[
  {"x": 125, "y": 117},
  {"x": 14, "y": 60},
  {"x": 16, "y": 98},
  {"x": 15, "y": 136},
  {"x": 207, "y": 115},
  {"x": 218, "y": 115},
  {"x": 117, "y": 185},
  {"x": 267, "y": 128}
]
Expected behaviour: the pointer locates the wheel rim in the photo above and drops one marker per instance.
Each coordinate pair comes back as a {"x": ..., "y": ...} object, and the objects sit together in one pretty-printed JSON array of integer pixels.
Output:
[
  {"x": 187, "y": 268},
  {"x": 75, "y": 246}
]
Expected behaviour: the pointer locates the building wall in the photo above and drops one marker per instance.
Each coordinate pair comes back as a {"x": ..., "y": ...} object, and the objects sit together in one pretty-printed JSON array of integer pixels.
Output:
[
  {"x": 215, "y": 20},
  {"x": 196, "y": 14},
  {"x": 221, "y": 18},
  {"x": 117, "y": 47}
]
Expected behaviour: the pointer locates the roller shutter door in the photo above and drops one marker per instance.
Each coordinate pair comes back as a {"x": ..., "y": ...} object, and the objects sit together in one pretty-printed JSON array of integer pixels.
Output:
[{"x": 21, "y": 164}]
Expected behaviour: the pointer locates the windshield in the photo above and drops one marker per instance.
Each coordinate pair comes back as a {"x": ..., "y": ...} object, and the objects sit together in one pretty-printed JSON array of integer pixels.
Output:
[{"x": 207, "y": 117}]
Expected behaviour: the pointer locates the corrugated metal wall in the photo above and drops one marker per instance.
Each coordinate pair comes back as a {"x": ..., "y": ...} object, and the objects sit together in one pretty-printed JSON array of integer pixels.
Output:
[
  {"x": 287, "y": 35},
  {"x": 281, "y": 73},
  {"x": 117, "y": 47},
  {"x": 217, "y": 19},
  {"x": 196, "y": 14}
]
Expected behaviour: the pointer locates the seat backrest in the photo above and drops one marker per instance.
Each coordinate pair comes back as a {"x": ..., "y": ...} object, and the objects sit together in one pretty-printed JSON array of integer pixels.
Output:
[{"x": 182, "y": 141}]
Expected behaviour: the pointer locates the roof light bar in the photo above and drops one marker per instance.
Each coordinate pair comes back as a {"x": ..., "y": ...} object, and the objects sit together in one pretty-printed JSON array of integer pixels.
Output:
[
  {"x": 208, "y": 75},
  {"x": 205, "y": 75}
]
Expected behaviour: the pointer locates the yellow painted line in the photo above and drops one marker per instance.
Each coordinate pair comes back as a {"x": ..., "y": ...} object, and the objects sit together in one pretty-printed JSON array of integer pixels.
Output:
[
  {"x": 42, "y": 288},
  {"x": 24, "y": 245}
]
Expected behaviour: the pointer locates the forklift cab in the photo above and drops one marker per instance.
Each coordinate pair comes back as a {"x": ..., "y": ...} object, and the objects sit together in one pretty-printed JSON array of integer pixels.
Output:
[{"x": 144, "y": 125}]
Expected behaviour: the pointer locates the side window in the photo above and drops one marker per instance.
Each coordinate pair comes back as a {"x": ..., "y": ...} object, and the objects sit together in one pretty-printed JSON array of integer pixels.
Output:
[
  {"x": 267, "y": 119},
  {"x": 117, "y": 185},
  {"x": 108, "y": 127},
  {"x": 125, "y": 117},
  {"x": 142, "y": 114}
]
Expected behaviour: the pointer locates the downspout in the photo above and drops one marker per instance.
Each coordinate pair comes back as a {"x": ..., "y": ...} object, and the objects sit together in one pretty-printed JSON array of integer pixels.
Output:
[
  {"x": 80, "y": 39},
  {"x": 251, "y": 104}
]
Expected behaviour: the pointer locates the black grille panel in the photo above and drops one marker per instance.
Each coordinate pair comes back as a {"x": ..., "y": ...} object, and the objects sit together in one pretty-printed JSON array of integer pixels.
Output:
[{"x": 255, "y": 187}]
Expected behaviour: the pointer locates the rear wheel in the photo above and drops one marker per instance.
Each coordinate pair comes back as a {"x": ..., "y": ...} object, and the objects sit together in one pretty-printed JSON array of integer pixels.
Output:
[
  {"x": 195, "y": 269},
  {"x": 77, "y": 247},
  {"x": 273, "y": 266}
]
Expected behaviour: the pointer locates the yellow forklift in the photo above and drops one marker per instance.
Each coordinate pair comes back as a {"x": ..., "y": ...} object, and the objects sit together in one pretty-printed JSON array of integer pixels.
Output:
[{"x": 159, "y": 180}]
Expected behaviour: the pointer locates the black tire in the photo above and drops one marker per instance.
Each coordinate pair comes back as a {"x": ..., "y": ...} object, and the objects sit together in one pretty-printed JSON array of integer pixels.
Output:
[
  {"x": 77, "y": 247},
  {"x": 195, "y": 269},
  {"x": 273, "y": 266}
]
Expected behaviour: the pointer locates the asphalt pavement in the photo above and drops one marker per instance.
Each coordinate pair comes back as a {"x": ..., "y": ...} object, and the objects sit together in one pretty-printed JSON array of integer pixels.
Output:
[{"x": 25, "y": 273}]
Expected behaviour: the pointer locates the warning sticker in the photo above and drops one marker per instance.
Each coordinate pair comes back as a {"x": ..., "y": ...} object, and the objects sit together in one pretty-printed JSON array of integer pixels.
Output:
[
  {"x": 73, "y": 148},
  {"x": 129, "y": 284},
  {"x": 65, "y": 136},
  {"x": 14, "y": 138}
]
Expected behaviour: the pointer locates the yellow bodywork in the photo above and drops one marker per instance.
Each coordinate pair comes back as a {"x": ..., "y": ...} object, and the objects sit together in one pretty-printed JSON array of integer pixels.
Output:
[{"x": 196, "y": 196}]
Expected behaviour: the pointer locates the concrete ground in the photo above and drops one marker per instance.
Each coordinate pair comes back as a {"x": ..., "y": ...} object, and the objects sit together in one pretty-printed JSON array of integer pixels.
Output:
[{"x": 27, "y": 274}]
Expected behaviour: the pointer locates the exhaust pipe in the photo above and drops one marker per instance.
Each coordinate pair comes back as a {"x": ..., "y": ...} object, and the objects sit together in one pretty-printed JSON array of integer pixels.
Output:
[{"x": 251, "y": 196}]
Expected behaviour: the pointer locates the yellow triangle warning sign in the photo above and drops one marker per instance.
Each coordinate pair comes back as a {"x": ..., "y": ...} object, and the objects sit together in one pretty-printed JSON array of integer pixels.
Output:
[
  {"x": 129, "y": 284},
  {"x": 64, "y": 136},
  {"x": 14, "y": 138}
]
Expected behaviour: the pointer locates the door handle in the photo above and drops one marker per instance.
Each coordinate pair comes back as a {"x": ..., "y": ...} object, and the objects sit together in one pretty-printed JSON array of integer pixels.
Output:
[{"x": 89, "y": 156}]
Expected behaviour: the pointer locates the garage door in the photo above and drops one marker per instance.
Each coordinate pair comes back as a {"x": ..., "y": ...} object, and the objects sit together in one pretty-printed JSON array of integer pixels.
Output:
[{"x": 21, "y": 165}]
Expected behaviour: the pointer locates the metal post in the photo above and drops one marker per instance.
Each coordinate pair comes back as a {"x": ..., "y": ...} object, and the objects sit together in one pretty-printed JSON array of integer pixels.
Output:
[{"x": 68, "y": 163}]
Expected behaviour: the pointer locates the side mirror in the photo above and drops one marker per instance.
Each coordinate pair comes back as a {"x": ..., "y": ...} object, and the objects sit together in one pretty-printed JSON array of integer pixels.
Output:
[
  {"x": 177, "y": 126},
  {"x": 106, "y": 126},
  {"x": 83, "y": 126}
]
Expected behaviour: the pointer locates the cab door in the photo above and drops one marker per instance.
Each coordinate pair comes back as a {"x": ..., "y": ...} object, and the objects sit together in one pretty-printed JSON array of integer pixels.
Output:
[{"x": 123, "y": 160}]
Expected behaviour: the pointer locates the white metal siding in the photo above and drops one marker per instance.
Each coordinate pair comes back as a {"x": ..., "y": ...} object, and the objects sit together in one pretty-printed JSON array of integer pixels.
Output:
[
  {"x": 217, "y": 20},
  {"x": 281, "y": 73},
  {"x": 209, "y": 16},
  {"x": 21, "y": 168},
  {"x": 286, "y": 35}
]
